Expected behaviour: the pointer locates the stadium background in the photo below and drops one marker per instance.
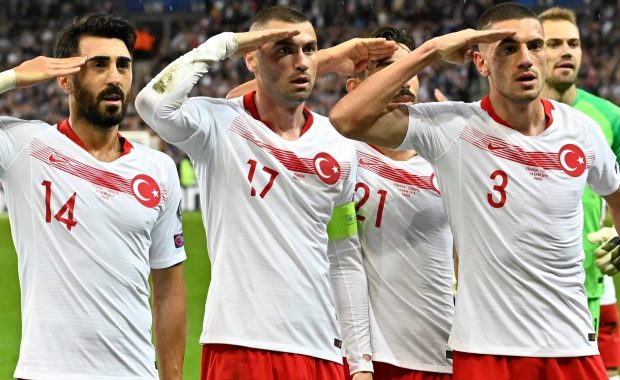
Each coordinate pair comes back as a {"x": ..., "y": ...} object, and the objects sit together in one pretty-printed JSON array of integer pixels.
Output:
[{"x": 168, "y": 28}]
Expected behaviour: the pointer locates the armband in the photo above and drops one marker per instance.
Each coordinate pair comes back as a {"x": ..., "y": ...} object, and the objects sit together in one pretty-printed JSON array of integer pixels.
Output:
[{"x": 343, "y": 223}]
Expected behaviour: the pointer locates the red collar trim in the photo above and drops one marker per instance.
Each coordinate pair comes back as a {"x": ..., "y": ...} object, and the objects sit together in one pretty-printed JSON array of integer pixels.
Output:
[
  {"x": 249, "y": 102},
  {"x": 65, "y": 129},
  {"x": 375, "y": 148},
  {"x": 488, "y": 107}
]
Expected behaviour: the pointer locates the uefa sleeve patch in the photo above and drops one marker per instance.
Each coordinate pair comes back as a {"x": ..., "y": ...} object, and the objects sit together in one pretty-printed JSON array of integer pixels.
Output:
[{"x": 179, "y": 241}]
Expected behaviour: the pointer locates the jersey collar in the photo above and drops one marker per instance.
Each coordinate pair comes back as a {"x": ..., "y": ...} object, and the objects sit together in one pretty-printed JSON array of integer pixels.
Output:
[
  {"x": 488, "y": 107},
  {"x": 65, "y": 129},
  {"x": 249, "y": 102}
]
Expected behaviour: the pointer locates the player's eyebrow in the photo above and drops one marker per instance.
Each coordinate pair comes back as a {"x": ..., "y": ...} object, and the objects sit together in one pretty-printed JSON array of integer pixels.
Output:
[
  {"x": 289, "y": 42},
  {"x": 105, "y": 58},
  {"x": 508, "y": 40},
  {"x": 511, "y": 40}
]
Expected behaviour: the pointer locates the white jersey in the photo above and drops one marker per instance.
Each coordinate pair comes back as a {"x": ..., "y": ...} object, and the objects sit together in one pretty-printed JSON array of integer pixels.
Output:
[
  {"x": 514, "y": 204},
  {"x": 266, "y": 203},
  {"x": 407, "y": 246},
  {"x": 86, "y": 234}
]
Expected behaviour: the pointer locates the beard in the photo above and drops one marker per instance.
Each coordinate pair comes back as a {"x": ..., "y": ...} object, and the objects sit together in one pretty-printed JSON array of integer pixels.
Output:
[{"x": 88, "y": 106}]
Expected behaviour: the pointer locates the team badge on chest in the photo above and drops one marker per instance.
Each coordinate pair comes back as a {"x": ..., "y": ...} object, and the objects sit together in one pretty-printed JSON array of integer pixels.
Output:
[
  {"x": 326, "y": 168},
  {"x": 572, "y": 160},
  {"x": 146, "y": 190}
]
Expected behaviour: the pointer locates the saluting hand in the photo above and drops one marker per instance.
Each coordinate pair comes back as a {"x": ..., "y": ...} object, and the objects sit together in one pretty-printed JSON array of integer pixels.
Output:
[
  {"x": 456, "y": 47},
  {"x": 353, "y": 56},
  {"x": 41, "y": 68},
  {"x": 250, "y": 41}
]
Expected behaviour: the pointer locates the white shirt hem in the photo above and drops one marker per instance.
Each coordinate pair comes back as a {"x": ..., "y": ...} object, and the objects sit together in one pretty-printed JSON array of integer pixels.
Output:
[
  {"x": 538, "y": 352},
  {"x": 335, "y": 356},
  {"x": 435, "y": 368},
  {"x": 26, "y": 374}
]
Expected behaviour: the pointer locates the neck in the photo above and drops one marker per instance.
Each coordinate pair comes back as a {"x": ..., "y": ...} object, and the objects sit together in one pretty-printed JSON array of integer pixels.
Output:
[
  {"x": 286, "y": 121},
  {"x": 527, "y": 117},
  {"x": 396, "y": 155},
  {"x": 101, "y": 143},
  {"x": 566, "y": 96}
]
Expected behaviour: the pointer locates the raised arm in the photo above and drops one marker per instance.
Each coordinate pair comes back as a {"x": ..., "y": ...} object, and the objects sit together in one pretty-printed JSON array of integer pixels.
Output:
[
  {"x": 161, "y": 102},
  {"x": 38, "y": 70},
  {"x": 365, "y": 113},
  {"x": 345, "y": 59}
]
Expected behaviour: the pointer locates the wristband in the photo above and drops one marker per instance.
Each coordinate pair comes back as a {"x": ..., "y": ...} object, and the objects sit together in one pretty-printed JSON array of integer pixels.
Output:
[
  {"x": 7, "y": 80},
  {"x": 218, "y": 47}
]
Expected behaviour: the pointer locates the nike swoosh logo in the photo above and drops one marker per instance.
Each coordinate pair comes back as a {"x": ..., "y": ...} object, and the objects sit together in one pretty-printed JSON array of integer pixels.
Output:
[
  {"x": 55, "y": 159},
  {"x": 362, "y": 162},
  {"x": 497, "y": 147}
]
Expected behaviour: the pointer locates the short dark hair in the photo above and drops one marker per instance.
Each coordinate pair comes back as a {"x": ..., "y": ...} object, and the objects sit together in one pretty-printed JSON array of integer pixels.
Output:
[
  {"x": 95, "y": 25},
  {"x": 279, "y": 13},
  {"x": 503, "y": 12},
  {"x": 397, "y": 35}
]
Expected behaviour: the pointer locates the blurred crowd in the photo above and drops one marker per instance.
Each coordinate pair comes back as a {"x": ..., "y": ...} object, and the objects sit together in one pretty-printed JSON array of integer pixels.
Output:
[{"x": 169, "y": 28}]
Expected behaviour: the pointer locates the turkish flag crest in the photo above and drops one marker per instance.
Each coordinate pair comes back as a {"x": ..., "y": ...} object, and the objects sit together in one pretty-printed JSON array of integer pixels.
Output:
[
  {"x": 146, "y": 190},
  {"x": 572, "y": 160},
  {"x": 326, "y": 168}
]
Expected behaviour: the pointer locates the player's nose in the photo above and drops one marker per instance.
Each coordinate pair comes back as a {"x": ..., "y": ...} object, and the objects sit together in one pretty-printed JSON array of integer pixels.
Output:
[
  {"x": 302, "y": 61},
  {"x": 525, "y": 58},
  {"x": 114, "y": 76}
]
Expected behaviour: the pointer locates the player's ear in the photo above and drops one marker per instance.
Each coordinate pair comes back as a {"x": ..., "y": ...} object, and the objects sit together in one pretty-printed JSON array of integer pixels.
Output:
[
  {"x": 64, "y": 82},
  {"x": 480, "y": 63},
  {"x": 250, "y": 61},
  {"x": 352, "y": 83}
]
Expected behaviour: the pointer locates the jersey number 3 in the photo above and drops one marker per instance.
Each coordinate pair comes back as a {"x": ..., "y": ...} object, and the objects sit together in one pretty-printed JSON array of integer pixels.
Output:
[
  {"x": 500, "y": 188},
  {"x": 67, "y": 208}
]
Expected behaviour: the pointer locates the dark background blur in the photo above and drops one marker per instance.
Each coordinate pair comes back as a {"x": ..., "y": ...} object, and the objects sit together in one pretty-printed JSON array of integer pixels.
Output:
[{"x": 169, "y": 28}]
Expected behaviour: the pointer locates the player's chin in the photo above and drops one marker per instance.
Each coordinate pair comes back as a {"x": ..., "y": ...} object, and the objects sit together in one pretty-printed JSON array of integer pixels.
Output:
[
  {"x": 527, "y": 94},
  {"x": 299, "y": 96}
]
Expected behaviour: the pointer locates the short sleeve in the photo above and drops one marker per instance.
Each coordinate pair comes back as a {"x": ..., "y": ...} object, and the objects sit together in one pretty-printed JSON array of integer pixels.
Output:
[
  {"x": 433, "y": 127},
  {"x": 603, "y": 176},
  {"x": 167, "y": 243},
  {"x": 209, "y": 117},
  {"x": 15, "y": 134}
]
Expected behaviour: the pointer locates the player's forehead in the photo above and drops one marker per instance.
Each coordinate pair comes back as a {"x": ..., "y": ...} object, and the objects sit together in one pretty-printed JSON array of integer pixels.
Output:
[
  {"x": 527, "y": 29},
  {"x": 306, "y": 35},
  {"x": 93, "y": 46},
  {"x": 560, "y": 30}
]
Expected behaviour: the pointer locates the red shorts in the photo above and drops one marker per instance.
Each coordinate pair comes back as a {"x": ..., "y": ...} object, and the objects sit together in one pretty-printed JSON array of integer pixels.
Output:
[
  {"x": 608, "y": 338},
  {"x": 227, "y": 362},
  {"x": 385, "y": 371},
  {"x": 486, "y": 367}
]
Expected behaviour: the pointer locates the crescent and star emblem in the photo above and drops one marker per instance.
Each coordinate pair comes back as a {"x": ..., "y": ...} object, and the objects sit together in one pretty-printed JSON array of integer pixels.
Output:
[
  {"x": 146, "y": 190},
  {"x": 326, "y": 168},
  {"x": 572, "y": 160}
]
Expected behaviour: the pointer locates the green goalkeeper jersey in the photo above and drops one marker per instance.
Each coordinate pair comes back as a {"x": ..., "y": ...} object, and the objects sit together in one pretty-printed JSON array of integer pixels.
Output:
[{"x": 607, "y": 115}]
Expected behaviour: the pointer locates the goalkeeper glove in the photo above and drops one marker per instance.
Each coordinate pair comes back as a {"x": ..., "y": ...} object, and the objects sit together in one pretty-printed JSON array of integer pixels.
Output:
[{"x": 608, "y": 253}]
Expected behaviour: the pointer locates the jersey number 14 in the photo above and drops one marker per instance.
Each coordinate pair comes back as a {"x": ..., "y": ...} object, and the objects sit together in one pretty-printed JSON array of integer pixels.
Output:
[{"x": 66, "y": 209}]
